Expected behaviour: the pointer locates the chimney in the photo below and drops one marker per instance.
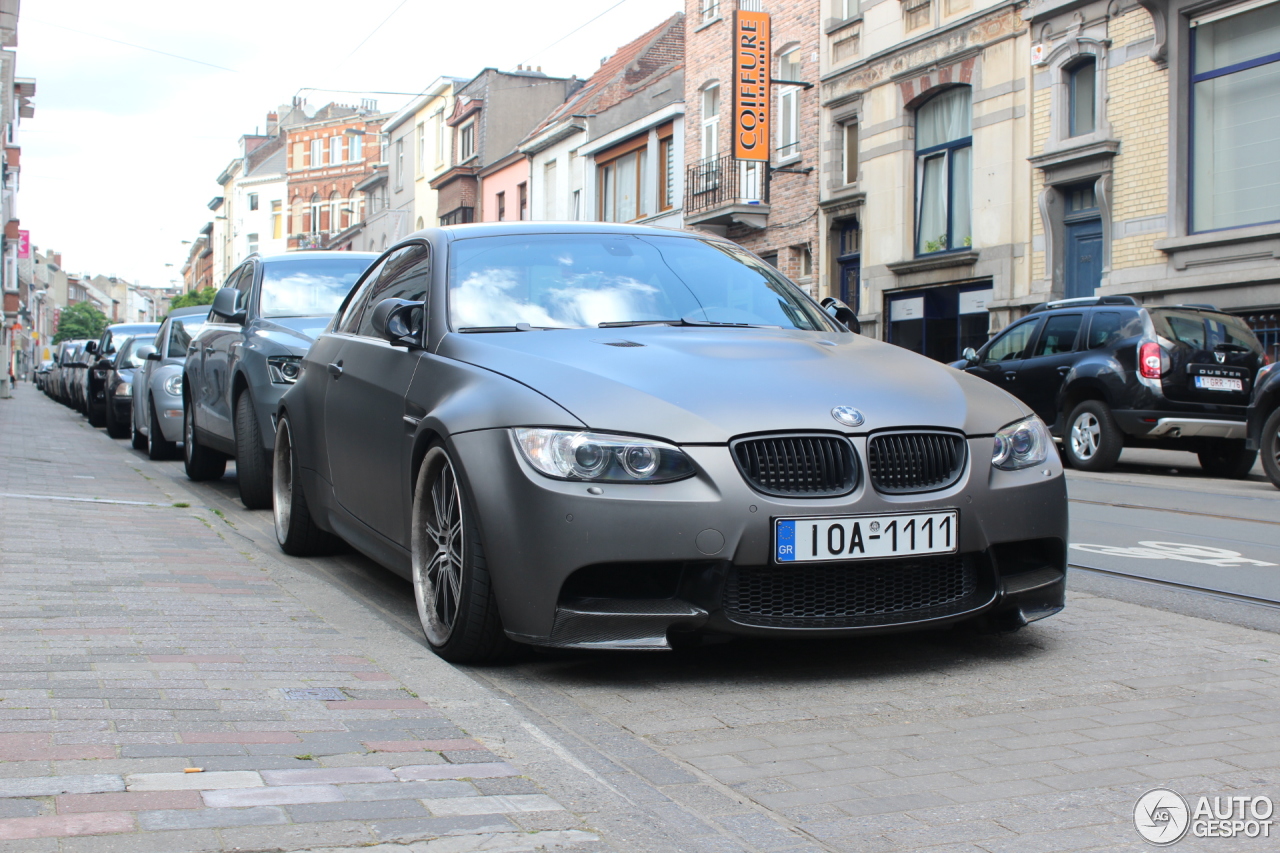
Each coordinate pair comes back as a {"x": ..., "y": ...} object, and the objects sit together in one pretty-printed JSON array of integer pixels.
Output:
[{"x": 273, "y": 124}]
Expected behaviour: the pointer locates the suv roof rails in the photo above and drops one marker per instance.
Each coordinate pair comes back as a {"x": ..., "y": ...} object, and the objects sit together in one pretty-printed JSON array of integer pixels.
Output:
[
  {"x": 1197, "y": 306},
  {"x": 1084, "y": 302}
]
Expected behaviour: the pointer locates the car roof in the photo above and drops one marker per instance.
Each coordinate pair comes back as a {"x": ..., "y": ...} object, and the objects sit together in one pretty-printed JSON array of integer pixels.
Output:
[
  {"x": 189, "y": 310},
  {"x": 495, "y": 229},
  {"x": 134, "y": 327},
  {"x": 293, "y": 256}
]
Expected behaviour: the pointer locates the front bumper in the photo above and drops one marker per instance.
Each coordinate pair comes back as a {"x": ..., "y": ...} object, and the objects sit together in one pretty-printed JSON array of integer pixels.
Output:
[{"x": 635, "y": 564}]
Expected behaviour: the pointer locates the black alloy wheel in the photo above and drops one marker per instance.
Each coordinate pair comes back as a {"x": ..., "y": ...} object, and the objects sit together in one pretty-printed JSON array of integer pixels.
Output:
[
  {"x": 457, "y": 606},
  {"x": 1227, "y": 458},
  {"x": 253, "y": 463},
  {"x": 158, "y": 447},
  {"x": 201, "y": 462},
  {"x": 1093, "y": 441},
  {"x": 296, "y": 530},
  {"x": 1269, "y": 447}
]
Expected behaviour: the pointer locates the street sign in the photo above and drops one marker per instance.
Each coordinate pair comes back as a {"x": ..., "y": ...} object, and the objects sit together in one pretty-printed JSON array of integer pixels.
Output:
[{"x": 751, "y": 90}]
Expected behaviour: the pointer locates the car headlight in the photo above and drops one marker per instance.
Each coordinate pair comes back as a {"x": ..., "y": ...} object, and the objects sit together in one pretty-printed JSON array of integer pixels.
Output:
[
  {"x": 124, "y": 389},
  {"x": 1021, "y": 445},
  {"x": 284, "y": 369},
  {"x": 599, "y": 458},
  {"x": 173, "y": 385}
]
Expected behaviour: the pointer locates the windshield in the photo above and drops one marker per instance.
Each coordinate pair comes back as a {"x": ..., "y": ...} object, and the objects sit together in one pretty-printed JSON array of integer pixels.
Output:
[
  {"x": 308, "y": 287},
  {"x": 573, "y": 281}
]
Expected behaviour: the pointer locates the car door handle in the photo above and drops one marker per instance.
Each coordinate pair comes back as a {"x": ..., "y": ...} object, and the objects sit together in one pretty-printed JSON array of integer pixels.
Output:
[
  {"x": 1064, "y": 370},
  {"x": 1010, "y": 375},
  {"x": 335, "y": 370}
]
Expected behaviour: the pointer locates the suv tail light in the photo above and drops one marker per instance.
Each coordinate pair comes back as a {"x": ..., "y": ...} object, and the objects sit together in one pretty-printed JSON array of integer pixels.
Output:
[{"x": 1150, "y": 357}]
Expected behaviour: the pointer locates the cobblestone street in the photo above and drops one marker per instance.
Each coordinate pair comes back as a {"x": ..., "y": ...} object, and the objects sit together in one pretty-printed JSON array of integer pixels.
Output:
[{"x": 149, "y": 626}]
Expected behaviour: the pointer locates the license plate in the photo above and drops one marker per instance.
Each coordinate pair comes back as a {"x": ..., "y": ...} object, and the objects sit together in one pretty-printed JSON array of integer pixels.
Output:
[
  {"x": 1219, "y": 383},
  {"x": 865, "y": 537}
]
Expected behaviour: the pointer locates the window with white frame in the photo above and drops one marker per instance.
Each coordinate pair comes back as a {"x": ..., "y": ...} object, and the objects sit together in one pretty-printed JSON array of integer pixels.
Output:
[
  {"x": 253, "y": 243},
  {"x": 944, "y": 166},
  {"x": 916, "y": 14},
  {"x": 710, "y": 122},
  {"x": 550, "y": 190},
  {"x": 1235, "y": 117},
  {"x": 253, "y": 201},
  {"x": 789, "y": 106},
  {"x": 355, "y": 148},
  {"x": 710, "y": 10},
  {"x": 316, "y": 206},
  {"x": 437, "y": 124},
  {"x": 466, "y": 141},
  {"x": 335, "y": 150},
  {"x": 846, "y": 9},
  {"x": 317, "y": 153},
  {"x": 421, "y": 165},
  {"x": 621, "y": 187},
  {"x": 400, "y": 163}
]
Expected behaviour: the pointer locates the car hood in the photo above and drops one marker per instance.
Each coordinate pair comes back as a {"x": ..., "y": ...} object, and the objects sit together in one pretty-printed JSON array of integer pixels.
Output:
[
  {"x": 296, "y": 333},
  {"x": 707, "y": 385}
]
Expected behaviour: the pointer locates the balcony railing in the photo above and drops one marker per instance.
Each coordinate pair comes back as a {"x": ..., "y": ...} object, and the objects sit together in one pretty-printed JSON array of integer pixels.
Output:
[{"x": 722, "y": 181}]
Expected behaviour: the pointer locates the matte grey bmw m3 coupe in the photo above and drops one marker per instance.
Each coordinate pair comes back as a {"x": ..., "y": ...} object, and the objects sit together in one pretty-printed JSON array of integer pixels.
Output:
[{"x": 618, "y": 437}]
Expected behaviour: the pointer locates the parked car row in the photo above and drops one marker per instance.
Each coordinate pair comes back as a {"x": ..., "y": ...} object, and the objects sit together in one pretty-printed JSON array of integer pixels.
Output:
[
  {"x": 1106, "y": 373},
  {"x": 619, "y": 437}
]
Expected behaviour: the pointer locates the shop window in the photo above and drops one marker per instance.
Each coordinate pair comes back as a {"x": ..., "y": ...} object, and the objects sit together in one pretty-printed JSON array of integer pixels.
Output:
[
  {"x": 1082, "y": 96},
  {"x": 1235, "y": 118},
  {"x": 944, "y": 158}
]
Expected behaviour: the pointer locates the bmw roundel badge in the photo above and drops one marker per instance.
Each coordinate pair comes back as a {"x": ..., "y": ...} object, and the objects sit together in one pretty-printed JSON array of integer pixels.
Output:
[{"x": 847, "y": 415}]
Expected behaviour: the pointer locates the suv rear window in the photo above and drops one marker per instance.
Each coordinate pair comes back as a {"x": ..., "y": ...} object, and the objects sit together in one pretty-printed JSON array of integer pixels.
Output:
[{"x": 1206, "y": 331}]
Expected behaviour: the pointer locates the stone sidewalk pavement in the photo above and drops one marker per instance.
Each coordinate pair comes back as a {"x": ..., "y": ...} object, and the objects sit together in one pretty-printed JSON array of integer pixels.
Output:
[{"x": 160, "y": 691}]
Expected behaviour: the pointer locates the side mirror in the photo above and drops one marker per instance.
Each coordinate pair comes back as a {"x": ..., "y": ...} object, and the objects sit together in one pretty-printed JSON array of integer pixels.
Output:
[
  {"x": 400, "y": 321},
  {"x": 226, "y": 303},
  {"x": 970, "y": 355},
  {"x": 91, "y": 347},
  {"x": 153, "y": 356},
  {"x": 842, "y": 314}
]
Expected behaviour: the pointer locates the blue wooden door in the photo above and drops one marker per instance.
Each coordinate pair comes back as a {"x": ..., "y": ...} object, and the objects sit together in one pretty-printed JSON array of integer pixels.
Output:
[{"x": 1083, "y": 258}]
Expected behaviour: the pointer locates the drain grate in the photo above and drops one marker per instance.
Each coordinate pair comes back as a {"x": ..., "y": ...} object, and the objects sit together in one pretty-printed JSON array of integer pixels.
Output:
[{"x": 319, "y": 694}]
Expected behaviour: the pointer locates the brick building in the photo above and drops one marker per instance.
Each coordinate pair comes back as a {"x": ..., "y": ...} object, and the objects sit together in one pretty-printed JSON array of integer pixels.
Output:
[
  {"x": 770, "y": 208},
  {"x": 329, "y": 152},
  {"x": 1157, "y": 153}
]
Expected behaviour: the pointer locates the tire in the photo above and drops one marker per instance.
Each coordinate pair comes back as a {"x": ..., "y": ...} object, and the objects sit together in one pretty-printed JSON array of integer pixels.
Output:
[
  {"x": 459, "y": 616},
  {"x": 253, "y": 463},
  {"x": 296, "y": 531},
  {"x": 1227, "y": 458},
  {"x": 139, "y": 440},
  {"x": 1269, "y": 447},
  {"x": 115, "y": 429},
  {"x": 97, "y": 416},
  {"x": 1093, "y": 441},
  {"x": 201, "y": 462},
  {"x": 158, "y": 447}
]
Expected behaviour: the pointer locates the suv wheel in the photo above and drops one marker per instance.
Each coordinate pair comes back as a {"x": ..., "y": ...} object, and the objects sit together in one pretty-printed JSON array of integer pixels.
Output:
[
  {"x": 1227, "y": 457},
  {"x": 253, "y": 464},
  {"x": 201, "y": 462},
  {"x": 1270, "y": 448},
  {"x": 1093, "y": 441}
]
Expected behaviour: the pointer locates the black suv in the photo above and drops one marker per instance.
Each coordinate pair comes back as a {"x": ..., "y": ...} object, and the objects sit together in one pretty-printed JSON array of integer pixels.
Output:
[
  {"x": 1106, "y": 372},
  {"x": 1264, "y": 421}
]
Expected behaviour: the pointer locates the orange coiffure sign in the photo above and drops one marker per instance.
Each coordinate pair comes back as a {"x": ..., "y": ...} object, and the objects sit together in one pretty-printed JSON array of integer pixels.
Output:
[{"x": 751, "y": 85}]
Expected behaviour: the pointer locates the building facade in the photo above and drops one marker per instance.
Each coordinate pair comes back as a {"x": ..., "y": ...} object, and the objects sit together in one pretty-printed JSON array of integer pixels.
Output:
[
  {"x": 771, "y": 206},
  {"x": 614, "y": 151},
  {"x": 1157, "y": 153},
  {"x": 926, "y": 198}
]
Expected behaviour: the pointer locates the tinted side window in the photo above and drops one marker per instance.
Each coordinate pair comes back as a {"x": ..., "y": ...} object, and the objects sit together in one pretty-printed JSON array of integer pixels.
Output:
[
  {"x": 351, "y": 316},
  {"x": 406, "y": 277},
  {"x": 1013, "y": 343},
  {"x": 180, "y": 334},
  {"x": 1234, "y": 333},
  {"x": 1059, "y": 334},
  {"x": 1108, "y": 327},
  {"x": 1188, "y": 330}
]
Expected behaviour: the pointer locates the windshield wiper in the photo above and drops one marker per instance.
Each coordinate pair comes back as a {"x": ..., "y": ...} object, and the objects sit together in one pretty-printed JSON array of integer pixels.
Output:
[{"x": 518, "y": 327}]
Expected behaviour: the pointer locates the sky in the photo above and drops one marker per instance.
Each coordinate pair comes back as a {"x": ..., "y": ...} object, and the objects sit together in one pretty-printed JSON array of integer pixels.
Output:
[{"x": 123, "y": 154}]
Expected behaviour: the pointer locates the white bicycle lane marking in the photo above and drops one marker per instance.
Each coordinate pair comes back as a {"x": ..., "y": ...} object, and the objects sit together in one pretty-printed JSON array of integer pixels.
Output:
[{"x": 1179, "y": 551}]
